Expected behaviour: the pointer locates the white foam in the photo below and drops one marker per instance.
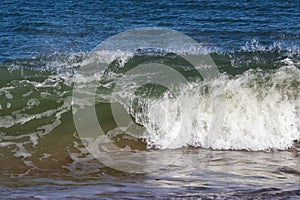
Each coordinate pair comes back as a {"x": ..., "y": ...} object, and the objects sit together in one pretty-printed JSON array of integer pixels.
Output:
[
  {"x": 32, "y": 103},
  {"x": 107, "y": 56},
  {"x": 8, "y": 95},
  {"x": 261, "y": 112},
  {"x": 27, "y": 94},
  {"x": 255, "y": 45}
]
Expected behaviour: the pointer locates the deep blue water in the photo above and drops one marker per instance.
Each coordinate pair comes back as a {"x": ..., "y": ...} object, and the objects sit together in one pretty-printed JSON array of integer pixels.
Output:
[{"x": 30, "y": 28}]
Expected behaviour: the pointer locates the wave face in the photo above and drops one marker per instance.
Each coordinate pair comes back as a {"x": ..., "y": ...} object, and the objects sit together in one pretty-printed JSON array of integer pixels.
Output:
[{"x": 252, "y": 105}]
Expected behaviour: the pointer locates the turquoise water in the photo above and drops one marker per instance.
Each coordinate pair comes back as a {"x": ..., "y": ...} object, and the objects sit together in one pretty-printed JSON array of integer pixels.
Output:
[{"x": 204, "y": 103}]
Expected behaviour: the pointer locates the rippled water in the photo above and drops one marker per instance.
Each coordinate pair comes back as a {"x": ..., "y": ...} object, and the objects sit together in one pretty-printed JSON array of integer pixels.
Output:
[{"x": 232, "y": 133}]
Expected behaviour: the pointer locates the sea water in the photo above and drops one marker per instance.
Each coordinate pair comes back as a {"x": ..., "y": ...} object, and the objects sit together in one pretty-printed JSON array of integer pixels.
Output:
[{"x": 232, "y": 135}]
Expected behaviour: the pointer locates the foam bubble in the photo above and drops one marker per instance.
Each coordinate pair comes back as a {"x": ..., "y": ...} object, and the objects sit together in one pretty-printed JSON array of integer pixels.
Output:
[{"x": 8, "y": 95}]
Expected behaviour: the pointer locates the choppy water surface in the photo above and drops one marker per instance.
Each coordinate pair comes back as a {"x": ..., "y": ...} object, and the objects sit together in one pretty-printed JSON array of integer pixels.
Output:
[{"x": 253, "y": 152}]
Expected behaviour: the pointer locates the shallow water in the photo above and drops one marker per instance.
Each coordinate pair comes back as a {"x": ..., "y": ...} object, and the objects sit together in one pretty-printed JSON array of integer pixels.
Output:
[
  {"x": 198, "y": 174},
  {"x": 225, "y": 124}
]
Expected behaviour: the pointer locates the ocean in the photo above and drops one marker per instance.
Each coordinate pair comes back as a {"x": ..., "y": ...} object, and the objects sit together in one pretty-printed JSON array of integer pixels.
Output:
[{"x": 159, "y": 100}]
